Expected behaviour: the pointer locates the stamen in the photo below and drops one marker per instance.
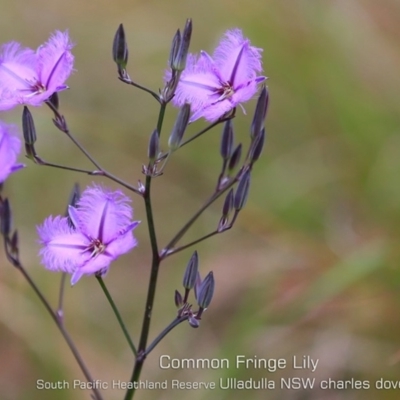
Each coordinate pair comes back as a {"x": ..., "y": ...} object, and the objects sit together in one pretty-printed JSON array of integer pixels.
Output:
[{"x": 96, "y": 247}]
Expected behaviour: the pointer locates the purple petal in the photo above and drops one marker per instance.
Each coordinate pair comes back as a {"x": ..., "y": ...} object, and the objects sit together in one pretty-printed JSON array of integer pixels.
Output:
[
  {"x": 121, "y": 245},
  {"x": 76, "y": 276},
  {"x": 213, "y": 111},
  {"x": 245, "y": 92},
  {"x": 197, "y": 83},
  {"x": 96, "y": 264},
  {"x": 234, "y": 54},
  {"x": 103, "y": 214},
  {"x": 17, "y": 67},
  {"x": 55, "y": 62},
  {"x": 10, "y": 146},
  {"x": 63, "y": 247}
]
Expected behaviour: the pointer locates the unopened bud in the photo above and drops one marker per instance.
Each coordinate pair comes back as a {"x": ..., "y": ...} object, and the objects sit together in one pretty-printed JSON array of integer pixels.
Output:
[
  {"x": 176, "y": 43},
  {"x": 5, "y": 218},
  {"x": 228, "y": 204},
  {"x": 193, "y": 322},
  {"x": 120, "y": 48},
  {"x": 260, "y": 113},
  {"x": 154, "y": 146},
  {"x": 242, "y": 191},
  {"x": 53, "y": 99},
  {"x": 227, "y": 140},
  {"x": 190, "y": 277},
  {"x": 28, "y": 127},
  {"x": 235, "y": 158},
  {"x": 178, "y": 299},
  {"x": 72, "y": 201},
  {"x": 179, "y": 61},
  {"x": 170, "y": 87},
  {"x": 257, "y": 146},
  {"x": 14, "y": 242},
  {"x": 179, "y": 128},
  {"x": 206, "y": 291}
]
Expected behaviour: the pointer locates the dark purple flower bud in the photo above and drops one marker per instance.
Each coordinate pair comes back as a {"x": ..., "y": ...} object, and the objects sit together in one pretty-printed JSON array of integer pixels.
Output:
[
  {"x": 72, "y": 201},
  {"x": 74, "y": 195},
  {"x": 206, "y": 291},
  {"x": 260, "y": 113},
  {"x": 257, "y": 146},
  {"x": 226, "y": 211},
  {"x": 54, "y": 101},
  {"x": 178, "y": 299},
  {"x": 179, "y": 62},
  {"x": 176, "y": 43},
  {"x": 228, "y": 204},
  {"x": 14, "y": 242},
  {"x": 169, "y": 90},
  {"x": 235, "y": 159},
  {"x": 179, "y": 128},
  {"x": 227, "y": 140},
  {"x": 193, "y": 322},
  {"x": 154, "y": 146},
  {"x": 61, "y": 124},
  {"x": 197, "y": 285},
  {"x": 190, "y": 277},
  {"x": 242, "y": 191},
  {"x": 28, "y": 127},
  {"x": 5, "y": 218},
  {"x": 120, "y": 48}
]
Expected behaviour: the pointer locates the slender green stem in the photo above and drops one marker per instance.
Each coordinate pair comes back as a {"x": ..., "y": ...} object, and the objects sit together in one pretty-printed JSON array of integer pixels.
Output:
[
  {"x": 101, "y": 171},
  {"x": 150, "y": 293},
  {"x": 184, "y": 247},
  {"x": 64, "y": 128},
  {"x": 192, "y": 220},
  {"x": 206, "y": 129},
  {"x": 164, "y": 155},
  {"x": 117, "y": 314},
  {"x": 97, "y": 395},
  {"x": 47, "y": 164},
  {"x": 161, "y": 115},
  {"x": 60, "y": 311},
  {"x": 155, "y": 265},
  {"x": 130, "y": 82},
  {"x": 120, "y": 181},
  {"x": 164, "y": 333}
]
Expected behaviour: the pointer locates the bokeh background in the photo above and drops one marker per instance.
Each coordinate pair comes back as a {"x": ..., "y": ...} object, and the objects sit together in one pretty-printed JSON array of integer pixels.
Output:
[{"x": 312, "y": 264}]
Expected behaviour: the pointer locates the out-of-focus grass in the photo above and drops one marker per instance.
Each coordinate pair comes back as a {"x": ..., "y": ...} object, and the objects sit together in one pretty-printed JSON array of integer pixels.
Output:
[{"x": 311, "y": 267}]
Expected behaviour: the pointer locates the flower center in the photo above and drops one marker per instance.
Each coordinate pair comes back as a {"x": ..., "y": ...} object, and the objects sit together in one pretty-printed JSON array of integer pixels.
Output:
[
  {"x": 96, "y": 247},
  {"x": 225, "y": 91},
  {"x": 37, "y": 88}
]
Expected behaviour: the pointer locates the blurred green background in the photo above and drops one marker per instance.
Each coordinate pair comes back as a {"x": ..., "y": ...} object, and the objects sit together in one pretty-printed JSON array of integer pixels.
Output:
[{"x": 312, "y": 265}]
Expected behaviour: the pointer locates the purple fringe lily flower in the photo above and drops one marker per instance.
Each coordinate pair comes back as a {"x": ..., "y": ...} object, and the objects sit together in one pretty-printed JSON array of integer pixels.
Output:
[
  {"x": 215, "y": 85},
  {"x": 29, "y": 77},
  {"x": 97, "y": 231},
  {"x": 10, "y": 146}
]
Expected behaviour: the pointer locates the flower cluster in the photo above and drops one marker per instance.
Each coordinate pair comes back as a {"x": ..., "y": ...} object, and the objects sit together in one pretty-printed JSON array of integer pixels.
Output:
[
  {"x": 96, "y": 232},
  {"x": 214, "y": 85},
  {"x": 30, "y": 77},
  {"x": 98, "y": 226}
]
